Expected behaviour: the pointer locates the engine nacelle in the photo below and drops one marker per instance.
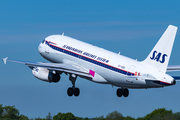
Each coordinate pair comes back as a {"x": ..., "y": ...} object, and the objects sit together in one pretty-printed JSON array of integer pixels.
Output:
[{"x": 45, "y": 75}]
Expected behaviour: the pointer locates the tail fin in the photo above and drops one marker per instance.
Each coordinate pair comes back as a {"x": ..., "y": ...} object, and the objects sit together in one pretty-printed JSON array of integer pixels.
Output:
[{"x": 160, "y": 54}]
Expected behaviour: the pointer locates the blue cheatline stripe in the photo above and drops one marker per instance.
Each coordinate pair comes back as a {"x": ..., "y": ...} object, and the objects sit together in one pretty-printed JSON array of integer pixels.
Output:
[
  {"x": 89, "y": 60},
  {"x": 162, "y": 83}
]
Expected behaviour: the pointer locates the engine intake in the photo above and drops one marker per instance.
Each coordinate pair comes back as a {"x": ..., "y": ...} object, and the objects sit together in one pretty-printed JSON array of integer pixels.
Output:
[
  {"x": 45, "y": 75},
  {"x": 53, "y": 77}
]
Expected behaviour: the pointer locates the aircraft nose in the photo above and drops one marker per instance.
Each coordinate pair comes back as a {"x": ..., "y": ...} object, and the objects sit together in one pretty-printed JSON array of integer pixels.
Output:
[{"x": 40, "y": 48}]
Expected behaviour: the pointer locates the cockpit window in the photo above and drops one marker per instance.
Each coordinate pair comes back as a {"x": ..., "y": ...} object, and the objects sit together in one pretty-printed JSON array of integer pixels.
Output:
[{"x": 43, "y": 41}]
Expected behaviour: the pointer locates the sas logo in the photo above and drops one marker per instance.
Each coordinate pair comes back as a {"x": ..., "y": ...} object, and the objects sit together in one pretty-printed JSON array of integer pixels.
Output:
[
  {"x": 36, "y": 69},
  {"x": 159, "y": 57}
]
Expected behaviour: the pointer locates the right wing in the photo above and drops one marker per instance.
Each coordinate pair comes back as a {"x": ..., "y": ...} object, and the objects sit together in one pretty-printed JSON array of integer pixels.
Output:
[{"x": 171, "y": 68}]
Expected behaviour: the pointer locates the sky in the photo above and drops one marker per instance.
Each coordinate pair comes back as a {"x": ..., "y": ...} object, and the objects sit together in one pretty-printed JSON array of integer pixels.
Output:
[{"x": 130, "y": 27}]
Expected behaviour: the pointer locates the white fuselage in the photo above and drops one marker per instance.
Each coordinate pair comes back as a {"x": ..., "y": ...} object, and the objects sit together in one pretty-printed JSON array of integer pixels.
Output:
[{"x": 113, "y": 68}]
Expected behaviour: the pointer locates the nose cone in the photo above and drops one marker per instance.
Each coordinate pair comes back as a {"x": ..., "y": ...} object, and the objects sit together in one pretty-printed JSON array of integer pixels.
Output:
[{"x": 40, "y": 48}]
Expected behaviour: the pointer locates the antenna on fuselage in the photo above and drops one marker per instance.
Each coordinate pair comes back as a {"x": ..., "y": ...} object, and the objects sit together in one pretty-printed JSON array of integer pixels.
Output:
[
  {"x": 119, "y": 53},
  {"x": 63, "y": 34}
]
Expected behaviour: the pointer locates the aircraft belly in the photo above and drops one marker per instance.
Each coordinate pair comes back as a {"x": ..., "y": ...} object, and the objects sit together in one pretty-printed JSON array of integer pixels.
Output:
[{"x": 121, "y": 80}]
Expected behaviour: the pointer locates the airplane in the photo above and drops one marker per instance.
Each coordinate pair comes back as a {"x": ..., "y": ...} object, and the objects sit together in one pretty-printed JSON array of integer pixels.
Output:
[{"x": 79, "y": 59}]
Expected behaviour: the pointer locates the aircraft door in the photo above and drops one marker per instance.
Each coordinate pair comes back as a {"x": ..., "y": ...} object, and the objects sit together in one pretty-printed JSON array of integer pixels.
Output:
[
  {"x": 47, "y": 48},
  {"x": 130, "y": 77}
]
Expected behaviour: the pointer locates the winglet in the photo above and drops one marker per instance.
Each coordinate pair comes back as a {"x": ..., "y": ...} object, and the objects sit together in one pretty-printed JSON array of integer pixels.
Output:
[{"x": 5, "y": 60}]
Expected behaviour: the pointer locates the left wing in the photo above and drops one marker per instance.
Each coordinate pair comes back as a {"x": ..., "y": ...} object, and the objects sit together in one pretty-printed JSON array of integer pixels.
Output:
[{"x": 58, "y": 67}]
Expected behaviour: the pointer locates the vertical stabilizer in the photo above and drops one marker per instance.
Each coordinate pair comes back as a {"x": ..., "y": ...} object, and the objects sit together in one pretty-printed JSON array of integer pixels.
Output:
[{"x": 160, "y": 54}]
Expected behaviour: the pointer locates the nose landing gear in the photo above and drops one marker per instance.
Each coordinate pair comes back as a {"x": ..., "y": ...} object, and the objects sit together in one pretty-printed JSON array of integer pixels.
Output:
[{"x": 124, "y": 92}]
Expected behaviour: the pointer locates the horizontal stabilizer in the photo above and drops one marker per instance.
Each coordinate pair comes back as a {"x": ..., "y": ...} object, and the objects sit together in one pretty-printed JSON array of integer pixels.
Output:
[{"x": 176, "y": 78}]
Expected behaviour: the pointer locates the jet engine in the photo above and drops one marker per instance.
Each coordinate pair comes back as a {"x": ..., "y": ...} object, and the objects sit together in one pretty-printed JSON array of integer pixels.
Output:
[{"x": 45, "y": 75}]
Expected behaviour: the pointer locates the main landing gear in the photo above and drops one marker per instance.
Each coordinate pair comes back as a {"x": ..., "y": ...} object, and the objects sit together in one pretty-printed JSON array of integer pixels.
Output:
[
  {"x": 73, "y": 90},
  {"x": 124, "y": 92}
]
